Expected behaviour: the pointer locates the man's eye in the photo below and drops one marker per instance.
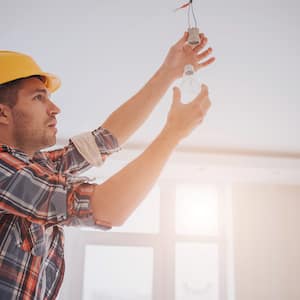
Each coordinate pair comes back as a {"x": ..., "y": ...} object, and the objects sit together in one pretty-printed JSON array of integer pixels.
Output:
[{"x": 38, "y": 97}]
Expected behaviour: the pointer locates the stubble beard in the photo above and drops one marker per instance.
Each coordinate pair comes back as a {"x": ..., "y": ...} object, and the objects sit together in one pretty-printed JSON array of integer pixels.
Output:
[{"x": 33, "y": 140}]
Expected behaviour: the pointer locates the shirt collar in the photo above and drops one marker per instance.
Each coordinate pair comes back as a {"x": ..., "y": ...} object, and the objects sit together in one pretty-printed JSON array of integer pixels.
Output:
[{"x": 15, "y": 152}]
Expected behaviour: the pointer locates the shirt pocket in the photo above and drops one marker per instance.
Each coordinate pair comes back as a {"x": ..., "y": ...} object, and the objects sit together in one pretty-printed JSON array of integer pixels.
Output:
[{"x": 31, "y": 237}]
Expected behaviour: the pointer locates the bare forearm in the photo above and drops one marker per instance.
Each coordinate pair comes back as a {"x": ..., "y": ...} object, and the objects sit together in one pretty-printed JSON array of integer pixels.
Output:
[
  {"x": 132, "y": 114},
  {"x": 124, "y": 121},
  {"x": 115, "y": 199}
]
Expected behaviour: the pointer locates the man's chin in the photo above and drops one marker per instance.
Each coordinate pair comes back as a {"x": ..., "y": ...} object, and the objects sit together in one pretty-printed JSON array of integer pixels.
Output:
[{"x": 50, "y": 142}]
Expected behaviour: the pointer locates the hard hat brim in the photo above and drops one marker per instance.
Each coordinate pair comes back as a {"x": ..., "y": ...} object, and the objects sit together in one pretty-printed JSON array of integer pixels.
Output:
[{"x": 52, "y": 82}]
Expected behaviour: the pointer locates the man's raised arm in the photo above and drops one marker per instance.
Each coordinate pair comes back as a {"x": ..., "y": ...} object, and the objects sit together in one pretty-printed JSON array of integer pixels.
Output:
[
  {"x": 124, "y": 121},
  {"x": 115, "y": 199}
]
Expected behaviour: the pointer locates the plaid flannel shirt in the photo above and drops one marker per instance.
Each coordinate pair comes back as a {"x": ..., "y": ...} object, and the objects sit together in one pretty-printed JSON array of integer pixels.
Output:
[{"x": 37, "y": 197}]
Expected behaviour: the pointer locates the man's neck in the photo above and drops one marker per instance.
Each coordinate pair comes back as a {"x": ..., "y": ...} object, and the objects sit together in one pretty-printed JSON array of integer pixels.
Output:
[{"x": 28, "y": 152}]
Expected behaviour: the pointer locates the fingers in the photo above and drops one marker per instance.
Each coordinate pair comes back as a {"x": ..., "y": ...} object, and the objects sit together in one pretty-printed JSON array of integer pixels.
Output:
[
  {"x": 202, "y": 103},
  {"x": 204, "y": 54},
  {"x": 204, "y": 91},
  {"x": 176, "y": 95},
  {"x": 202, "y": 96},
  {"x": 203, "y": 42},
  {"x": 205, "y": 105},
  {"x": 183, "y": 39},
  {"x": 205, "y": 63}
]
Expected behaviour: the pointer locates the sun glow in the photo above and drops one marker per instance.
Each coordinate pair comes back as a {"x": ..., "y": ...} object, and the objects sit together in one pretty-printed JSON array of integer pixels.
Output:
[{"x": 196, "y": 209}]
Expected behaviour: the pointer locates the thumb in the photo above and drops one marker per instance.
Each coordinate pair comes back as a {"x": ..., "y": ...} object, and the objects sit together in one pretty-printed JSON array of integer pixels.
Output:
[
  {"x": 183, "y": 39},
  {"x": 176, "y": 95},
  {"x": 204, "y": 91},
  {"x": 202, "y": 95}
]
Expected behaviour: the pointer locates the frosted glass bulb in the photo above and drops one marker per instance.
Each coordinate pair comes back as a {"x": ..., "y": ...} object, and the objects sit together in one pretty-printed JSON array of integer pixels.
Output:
[{"x": 189, "y": 85}]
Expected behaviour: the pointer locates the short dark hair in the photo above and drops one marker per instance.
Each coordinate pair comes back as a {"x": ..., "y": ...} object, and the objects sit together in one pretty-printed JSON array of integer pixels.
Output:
[{"x": 9, "y": 91}]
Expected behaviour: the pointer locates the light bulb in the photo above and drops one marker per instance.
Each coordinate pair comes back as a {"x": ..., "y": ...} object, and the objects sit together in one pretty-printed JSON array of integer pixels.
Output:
[{"x": 189, "y": 85}]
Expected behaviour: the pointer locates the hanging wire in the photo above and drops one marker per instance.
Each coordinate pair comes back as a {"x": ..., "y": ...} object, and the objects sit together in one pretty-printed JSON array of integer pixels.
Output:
[
  {"x": 190, "y": 7},
  {"x": 189, "y": 16},
  {"x": 194, "y": 16}
]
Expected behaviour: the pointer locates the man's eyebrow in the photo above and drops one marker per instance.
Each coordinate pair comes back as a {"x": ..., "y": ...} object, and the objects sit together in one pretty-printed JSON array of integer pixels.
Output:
[
  {"x": 40, "y": 91},
  {"x": 43, "y": 91}
]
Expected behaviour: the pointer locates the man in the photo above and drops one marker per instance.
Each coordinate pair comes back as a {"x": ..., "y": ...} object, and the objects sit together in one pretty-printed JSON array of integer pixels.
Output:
[{"x": 39, "y": 191}]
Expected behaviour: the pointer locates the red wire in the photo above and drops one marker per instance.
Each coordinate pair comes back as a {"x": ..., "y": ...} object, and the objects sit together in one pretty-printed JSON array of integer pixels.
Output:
[{"x": 184, "y": 5}]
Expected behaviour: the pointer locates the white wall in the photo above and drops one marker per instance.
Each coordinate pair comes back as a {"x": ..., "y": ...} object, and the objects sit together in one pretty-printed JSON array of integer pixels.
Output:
[
  {"x": 104, "y": 51},
  {"x": 266, "y": 241}
]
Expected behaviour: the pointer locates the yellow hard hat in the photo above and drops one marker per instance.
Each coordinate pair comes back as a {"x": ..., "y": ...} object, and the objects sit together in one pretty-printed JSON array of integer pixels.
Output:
[{"x": 14, "y": 65}]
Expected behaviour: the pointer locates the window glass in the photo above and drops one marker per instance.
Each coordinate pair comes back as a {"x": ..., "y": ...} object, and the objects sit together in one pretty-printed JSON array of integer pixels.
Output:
[
  {"x": 196, "y": 271},
  {"x": 145, "y": 219},
  {"x": 196, "y": 209},
  {"x": 118, "y": 273}
]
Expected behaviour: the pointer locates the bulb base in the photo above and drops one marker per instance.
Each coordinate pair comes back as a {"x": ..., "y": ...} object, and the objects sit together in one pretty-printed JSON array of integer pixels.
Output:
[
  {"x": 188, "y": 70},
  {"x": 193, "y": 38}
]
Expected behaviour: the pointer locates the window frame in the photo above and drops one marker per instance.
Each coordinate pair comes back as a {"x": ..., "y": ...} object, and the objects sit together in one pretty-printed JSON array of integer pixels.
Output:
[{"x": 163, "y": 244}]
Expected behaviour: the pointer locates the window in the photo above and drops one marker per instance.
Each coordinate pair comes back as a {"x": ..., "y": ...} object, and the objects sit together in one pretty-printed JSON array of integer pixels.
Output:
[
  {"x": 197, "y": 269},
  {"x": 174, "y": 246},
  {"x": 128, "y": 277},
  {"x": 196, "y": 209},
  {"x": 145, "y": 219},
  {"x": 196, "y": 261}
]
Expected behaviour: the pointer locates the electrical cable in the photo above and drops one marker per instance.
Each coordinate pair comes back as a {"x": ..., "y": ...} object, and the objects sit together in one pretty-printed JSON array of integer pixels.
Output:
[{"x": 190, "y": 7}]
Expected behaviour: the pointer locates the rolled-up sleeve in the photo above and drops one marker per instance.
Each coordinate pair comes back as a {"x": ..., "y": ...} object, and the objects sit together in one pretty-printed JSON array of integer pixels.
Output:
[
  {"x": 83, "y": 151},
  {"x": 95, "y": 146},
  {"x": 79, "y": 207},
  {"x": 46, "y": 193},
  {"x": 44, "y": 198},
  {"x": 106, "y": 141}
]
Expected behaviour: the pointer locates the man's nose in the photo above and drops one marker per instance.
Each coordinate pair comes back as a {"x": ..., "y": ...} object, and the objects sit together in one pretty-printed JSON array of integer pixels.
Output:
[{"x": 53, "y": 109}]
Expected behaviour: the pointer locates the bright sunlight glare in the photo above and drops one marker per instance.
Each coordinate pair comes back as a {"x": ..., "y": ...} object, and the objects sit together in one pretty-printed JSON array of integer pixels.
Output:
[{"x": 196, "y": 209}]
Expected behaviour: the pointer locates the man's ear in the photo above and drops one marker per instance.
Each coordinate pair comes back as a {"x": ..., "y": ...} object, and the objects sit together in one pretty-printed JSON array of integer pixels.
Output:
[{"x": 5, "y": 113}]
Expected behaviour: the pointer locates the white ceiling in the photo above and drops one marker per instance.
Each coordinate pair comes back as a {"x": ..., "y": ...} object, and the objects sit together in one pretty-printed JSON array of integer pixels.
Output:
[{"x": 104, "y": 51}]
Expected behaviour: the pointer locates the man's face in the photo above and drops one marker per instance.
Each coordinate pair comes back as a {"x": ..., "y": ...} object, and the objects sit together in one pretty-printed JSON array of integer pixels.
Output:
[{"x": 34, "y": 117}]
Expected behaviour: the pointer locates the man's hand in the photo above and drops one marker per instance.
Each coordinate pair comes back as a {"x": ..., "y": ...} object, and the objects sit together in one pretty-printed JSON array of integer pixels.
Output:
[
  {"x": 121, "y": 122},
  {"x": 183, "y": 118},
  {"x": 182, "y": 54}
]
